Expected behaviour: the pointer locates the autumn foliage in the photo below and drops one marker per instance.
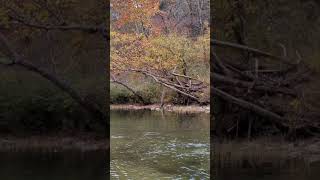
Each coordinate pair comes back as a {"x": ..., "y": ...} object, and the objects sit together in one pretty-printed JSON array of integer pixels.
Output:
[
  {"x": 135, "y": 11},
  {"x": 141, "y": 43}
]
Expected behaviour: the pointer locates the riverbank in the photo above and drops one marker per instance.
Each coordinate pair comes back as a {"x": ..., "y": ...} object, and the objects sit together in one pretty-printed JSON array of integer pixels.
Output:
[
  {"x": 83, "y": 143},
  {"x": 168, "y": 107}
]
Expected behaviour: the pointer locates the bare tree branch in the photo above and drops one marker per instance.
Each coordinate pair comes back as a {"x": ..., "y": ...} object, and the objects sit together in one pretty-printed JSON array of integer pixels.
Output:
[
  {"x": 277, "y": 119},
  {"x": 252, "y": 50},
  {"x": 114, "y": 80},
  {"x": 91, "y": 107}
]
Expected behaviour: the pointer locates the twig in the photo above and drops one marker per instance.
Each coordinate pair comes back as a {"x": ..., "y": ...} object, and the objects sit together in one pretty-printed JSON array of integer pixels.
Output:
[{"x": 252, "y": 50}]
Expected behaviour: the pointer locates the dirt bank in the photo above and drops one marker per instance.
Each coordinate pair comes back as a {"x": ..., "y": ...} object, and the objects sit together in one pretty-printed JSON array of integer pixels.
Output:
[{"x": 169, "y": 107}]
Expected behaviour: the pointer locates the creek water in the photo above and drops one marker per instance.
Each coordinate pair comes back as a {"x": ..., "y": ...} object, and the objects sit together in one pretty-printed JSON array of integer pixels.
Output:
[{"x": 155, "y": 145}]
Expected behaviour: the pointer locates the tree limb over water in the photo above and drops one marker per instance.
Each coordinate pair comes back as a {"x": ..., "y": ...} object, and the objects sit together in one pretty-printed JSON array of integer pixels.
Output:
[{"x": 62, "y": 84}]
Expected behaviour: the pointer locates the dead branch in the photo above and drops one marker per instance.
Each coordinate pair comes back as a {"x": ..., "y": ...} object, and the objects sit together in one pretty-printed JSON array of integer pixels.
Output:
[
  {"x": 263, "y": 89},
  {"x": 258, "y": 85},
  {"x": 220, "y": 64},
  {"x": 91, "y": 29},
  {"x": 277, "y": 119},
  {"x": 114, "y": 80},
  {"x": 171, "y": 85},
  {"x": 255, "y": 51}
]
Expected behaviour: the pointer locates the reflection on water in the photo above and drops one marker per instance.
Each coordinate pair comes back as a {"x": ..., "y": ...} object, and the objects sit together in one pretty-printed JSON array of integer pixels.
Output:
[
  {"x": 267, "y": 161},
  {"x": 53, "y": 166},
  {"x": 294, "y": 169},
  {"x": 152, "y": 145}
]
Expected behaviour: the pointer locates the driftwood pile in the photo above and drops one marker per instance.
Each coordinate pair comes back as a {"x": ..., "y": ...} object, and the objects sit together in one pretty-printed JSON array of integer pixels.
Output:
[{"x": 258, "y": 93}]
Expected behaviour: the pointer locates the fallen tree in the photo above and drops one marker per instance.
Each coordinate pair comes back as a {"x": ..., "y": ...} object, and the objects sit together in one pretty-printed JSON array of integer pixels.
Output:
[
  {"x": 185, "y": 85},
  {"x": 258, "y": 93}
]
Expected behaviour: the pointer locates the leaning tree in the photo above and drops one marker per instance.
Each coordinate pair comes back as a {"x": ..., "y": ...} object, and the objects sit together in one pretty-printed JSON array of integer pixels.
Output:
[{"x": 19, "y": 21}]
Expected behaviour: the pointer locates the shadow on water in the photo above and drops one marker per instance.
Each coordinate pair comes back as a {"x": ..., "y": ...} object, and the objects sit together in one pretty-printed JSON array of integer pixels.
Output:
[
  {"x": 53, "y": 165},
  {"x": 266, "y": 161}
]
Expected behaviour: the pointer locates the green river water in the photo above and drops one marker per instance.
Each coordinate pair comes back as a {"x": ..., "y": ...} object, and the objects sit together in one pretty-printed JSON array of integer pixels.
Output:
[{"x": 154, "y": 145}]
